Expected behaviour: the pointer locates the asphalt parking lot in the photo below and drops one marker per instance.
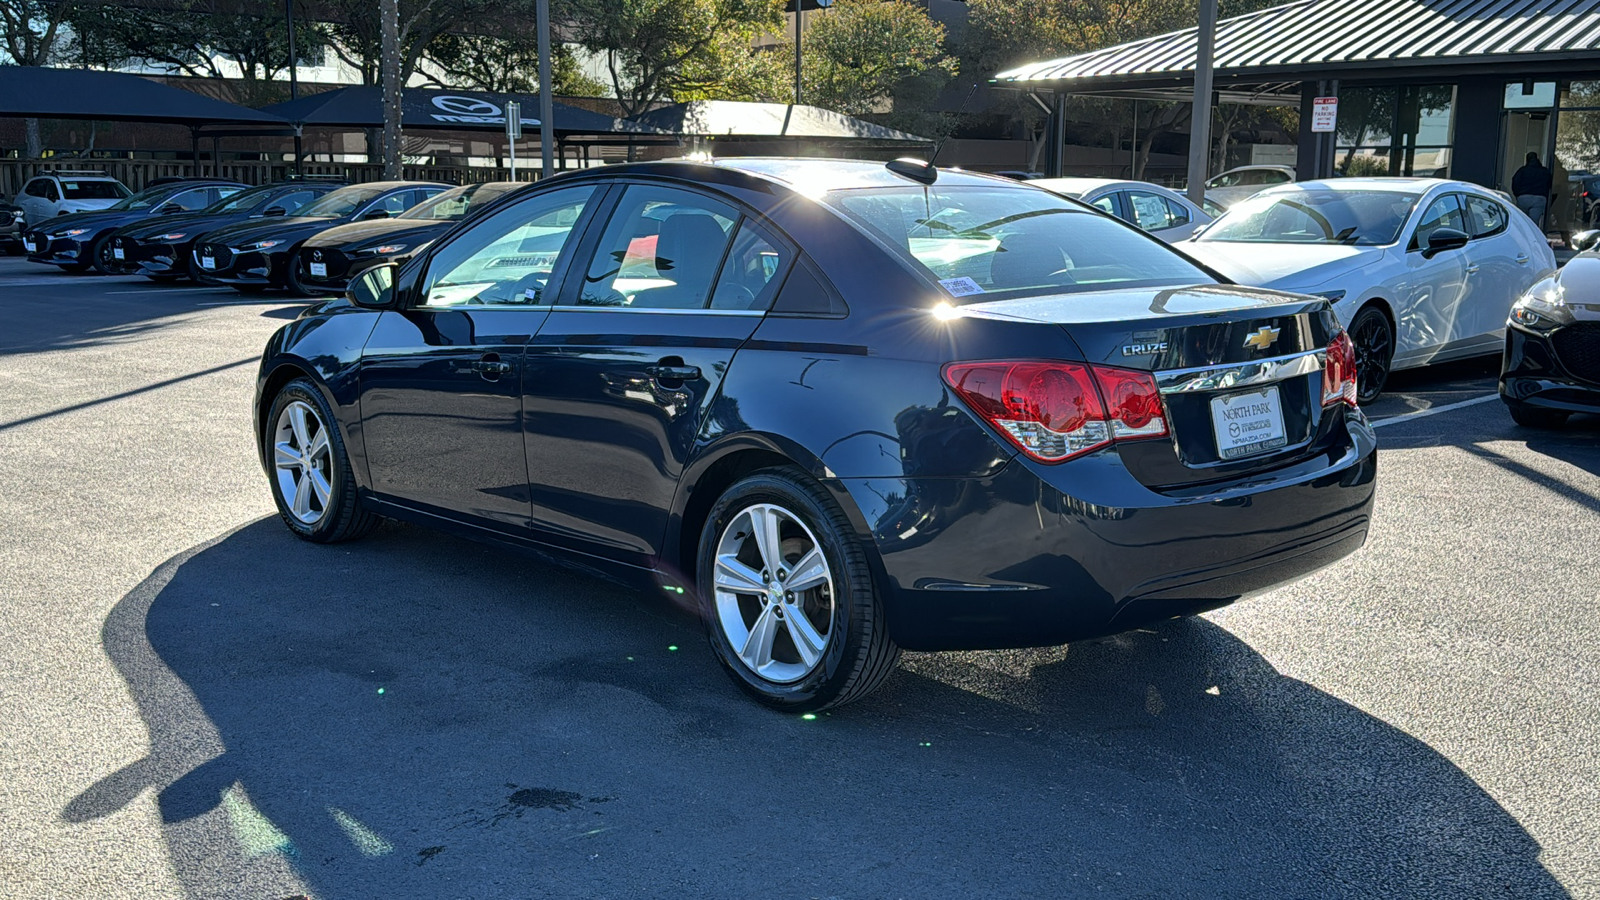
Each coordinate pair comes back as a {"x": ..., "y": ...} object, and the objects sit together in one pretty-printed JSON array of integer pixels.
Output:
[{"x": 195, "y": 704}]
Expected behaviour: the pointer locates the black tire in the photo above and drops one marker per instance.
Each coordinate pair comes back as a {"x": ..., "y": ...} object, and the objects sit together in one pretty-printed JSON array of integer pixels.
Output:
[
  {"x": 341, "y": 517},
  {"x": 1536, "y": 416},
  {"x": 858, "y": 653},
  {"x": 1373, "y": 337},
  {"x": 100, "y": 256},
  {"x": 291, "y": 278}
]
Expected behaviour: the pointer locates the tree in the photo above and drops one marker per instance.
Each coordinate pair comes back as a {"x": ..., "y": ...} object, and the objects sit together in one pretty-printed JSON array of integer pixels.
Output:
[
  {"x": 660, "y": 49},
  {"x": 507, "y": 62},
  {"x": 31, "y": 31},
  {"x": 863, "y": 54}
]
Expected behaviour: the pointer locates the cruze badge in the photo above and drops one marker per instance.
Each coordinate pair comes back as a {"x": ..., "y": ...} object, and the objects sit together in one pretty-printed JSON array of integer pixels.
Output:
[
  {"x": 1262, "y": 339},
  {"x": 1142, "y": 349}
]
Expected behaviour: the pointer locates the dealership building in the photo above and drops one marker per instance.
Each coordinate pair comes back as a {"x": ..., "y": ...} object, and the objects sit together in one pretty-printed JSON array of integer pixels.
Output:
[{"x": 1462, "y": 89}]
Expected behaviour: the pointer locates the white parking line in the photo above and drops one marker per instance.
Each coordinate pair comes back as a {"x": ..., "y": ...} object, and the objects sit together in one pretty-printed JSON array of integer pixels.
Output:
[{"x": 1434, "y": 410}]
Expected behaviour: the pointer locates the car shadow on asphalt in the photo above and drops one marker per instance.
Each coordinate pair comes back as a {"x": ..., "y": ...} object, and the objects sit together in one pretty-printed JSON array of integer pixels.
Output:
[{"x": 418, "y": 716}]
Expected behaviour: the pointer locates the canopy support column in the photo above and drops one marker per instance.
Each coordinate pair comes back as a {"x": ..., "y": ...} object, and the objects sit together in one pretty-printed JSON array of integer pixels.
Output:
[
  {"x": 1200, "y": 119},
  {"x": 194, "y": 138}
]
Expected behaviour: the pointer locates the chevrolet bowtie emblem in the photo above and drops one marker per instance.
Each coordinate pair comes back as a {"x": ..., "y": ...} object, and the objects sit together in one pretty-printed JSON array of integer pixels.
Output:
[{"x": 1262, "y": 339}]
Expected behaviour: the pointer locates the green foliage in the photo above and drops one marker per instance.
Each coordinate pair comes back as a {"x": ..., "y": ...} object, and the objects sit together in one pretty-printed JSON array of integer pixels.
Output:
[
  {"x": 863, "y": 54},
  {"x": 507, "y": 62},
  {"x": 661, "y": 49},
  {"x": 30, "y": 30}
]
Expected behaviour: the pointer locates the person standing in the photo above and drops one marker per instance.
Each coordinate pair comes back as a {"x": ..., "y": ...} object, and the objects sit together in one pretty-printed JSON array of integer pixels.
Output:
[{"x": 1531, "y": 187}]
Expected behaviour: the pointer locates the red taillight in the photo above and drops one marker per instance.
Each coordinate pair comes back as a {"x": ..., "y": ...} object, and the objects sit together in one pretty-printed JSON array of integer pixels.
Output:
[
  {"x": 1339, "y": 376},
  {"x": 1055, "y": 411}
]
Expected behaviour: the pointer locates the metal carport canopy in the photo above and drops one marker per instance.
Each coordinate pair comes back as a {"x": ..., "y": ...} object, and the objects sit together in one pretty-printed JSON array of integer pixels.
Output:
[
  {"x": 43, "y": 93},
  {"x": 441, "y": 110},
  {"x": 1316, "y": 39}
]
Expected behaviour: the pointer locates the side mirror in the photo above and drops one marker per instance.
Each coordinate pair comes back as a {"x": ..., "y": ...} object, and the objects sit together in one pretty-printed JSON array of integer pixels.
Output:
[
  {"x": 169, "y": 209},
  {"x": 374, "y": 288},
  {"x": 275, "y": 211},
  {"x": 377, "y": 214},
  {"x": 1443, "y": 239},
  {"x": 1585, "y": 240}
]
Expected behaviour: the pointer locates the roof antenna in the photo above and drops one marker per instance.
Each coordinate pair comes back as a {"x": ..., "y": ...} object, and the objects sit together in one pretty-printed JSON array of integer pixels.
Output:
[
  {"x": 959, "y": 110},
  {"x": 925, "y": 173}
]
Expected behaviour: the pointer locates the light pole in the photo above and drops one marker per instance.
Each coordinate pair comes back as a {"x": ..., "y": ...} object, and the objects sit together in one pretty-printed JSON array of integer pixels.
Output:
[
  {"x": 1200, "y": 118},
  {"x": 799, "y": 26},
  {"x": 294, "y": 80},
  {"x": 546, "y": 143}
]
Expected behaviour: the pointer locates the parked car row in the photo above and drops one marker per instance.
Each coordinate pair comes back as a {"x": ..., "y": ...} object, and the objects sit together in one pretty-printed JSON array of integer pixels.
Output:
[{"x": 307, "y": 236}]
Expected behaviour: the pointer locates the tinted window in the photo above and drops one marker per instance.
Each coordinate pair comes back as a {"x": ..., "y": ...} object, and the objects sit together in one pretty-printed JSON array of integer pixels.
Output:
[
  {"x": 35, "y": 188},
  {"x": 752, "y": 273},
  {"x": 1107, "y": 203},
  {"x": 454, "y": 203},
  {"x": 198, "y": 198},
  {"x": 1444, "y": 212},
  {"x": 977, "y": 240},
  {"x": 506, "y": 258},
  {"x": 1150, "y": 211},
  {"x": 1178, "y": 212},
  {"x": 93, "y": 190},
  {"x": 292, "y": 202},
  {"x": 661, "y": 250},
  {"x": 395, "y": 204},
  {"x": 1315, "y": 217},
  {"x": 1485, "y": 216},
  {"x": 341, "y": 202}
]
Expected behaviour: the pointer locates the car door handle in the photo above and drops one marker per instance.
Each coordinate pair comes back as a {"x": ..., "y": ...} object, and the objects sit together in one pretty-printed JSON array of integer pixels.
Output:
[
  {"x": 491, "y": 367},
  {"x": 662, "y": 372},
  {"x": 1472, "y": 268},
  {"x": 1522, "y": 259}
]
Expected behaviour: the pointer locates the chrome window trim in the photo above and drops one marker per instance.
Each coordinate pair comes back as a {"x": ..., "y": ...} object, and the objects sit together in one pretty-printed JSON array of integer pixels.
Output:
[
  {"x": 1239, "y": 375},
  {"x": 660, "y": 310}
]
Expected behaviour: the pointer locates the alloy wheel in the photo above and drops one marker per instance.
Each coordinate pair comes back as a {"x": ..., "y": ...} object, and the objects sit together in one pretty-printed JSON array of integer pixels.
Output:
[
  {"x": 303, "y": 460},
  {"x": 774, "y": 593},
  {"x": 1374, "y": 345}
]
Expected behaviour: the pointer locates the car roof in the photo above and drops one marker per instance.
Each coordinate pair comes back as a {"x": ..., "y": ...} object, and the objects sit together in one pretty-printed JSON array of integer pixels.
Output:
[
  {"x": 71, "y": 177},
  {"x": 814, "y": 176},
  {"x": 392, "y": 185},
  {"x": 1073, "y": 184}
]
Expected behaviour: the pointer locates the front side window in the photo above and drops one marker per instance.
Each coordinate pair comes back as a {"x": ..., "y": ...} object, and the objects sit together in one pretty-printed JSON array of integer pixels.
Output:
[
  {"x": 661, "y": 250},
  {"x": 192, "y": 200},
  {"x": 1150, "y": 211},
  {"x": 1302, "y": 216},
  {"x": 1020, "y": 241},
  {"x": 507, "y": 258},
  {"x": 454, "y": 203},
  {"x": 341, "y": 203},
  {"x": 1444, "y": 212},
  {"x": 1106, "y": 203},
  {"x": 35, "y": 187},
  {"x": 239, "y": 201}
]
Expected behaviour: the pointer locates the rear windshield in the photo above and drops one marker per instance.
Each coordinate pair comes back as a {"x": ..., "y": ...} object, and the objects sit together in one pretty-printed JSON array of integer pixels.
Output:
[
  {"x": 454, "y": 203},
  {"x": 342, "y": 202},
  {"x": 1013, "y": 240},
  {"x": 1315, "y": 217},
  {"x": 93, "y": 190}
]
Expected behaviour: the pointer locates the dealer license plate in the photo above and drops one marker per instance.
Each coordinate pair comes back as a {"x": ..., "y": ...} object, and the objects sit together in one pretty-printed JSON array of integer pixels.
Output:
[
  {"x": 319, "y": 269},
  {"x": 30, "y": 246},
  {"x": 208, "y": 262},
  {"x": 117, "y": 252},
  {"x": 1248, "y": 423}
]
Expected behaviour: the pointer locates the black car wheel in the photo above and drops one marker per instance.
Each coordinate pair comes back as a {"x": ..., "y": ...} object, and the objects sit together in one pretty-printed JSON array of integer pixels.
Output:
[
  {"x": 292, "y": 279},
  {"x": 311, "y": 478},
  {"x": 104, "y": 262},
  {"x": 1536, "y": 416},
  {"x": 787, "y": 596},
  {"x": 1373, "y": 337}
]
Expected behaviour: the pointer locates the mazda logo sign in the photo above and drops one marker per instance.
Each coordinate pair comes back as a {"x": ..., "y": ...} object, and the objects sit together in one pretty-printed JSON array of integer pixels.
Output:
[{"x": 466, "y": 106}]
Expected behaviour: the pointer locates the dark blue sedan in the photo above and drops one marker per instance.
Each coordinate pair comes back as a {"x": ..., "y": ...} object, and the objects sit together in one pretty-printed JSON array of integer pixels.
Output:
[{"x": 839, "y": 408}]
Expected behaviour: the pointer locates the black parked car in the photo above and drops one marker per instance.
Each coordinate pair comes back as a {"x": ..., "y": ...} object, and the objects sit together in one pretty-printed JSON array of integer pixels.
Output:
[
  {"x": 80, "y": 241},
  {"x": 255, "y": 255},
  {"x": 161, "y": 249},
  {"x": 12, "y": 223},
  {"x": 839, "y": 407},
  {"x": 1551, "y": 367},
  {"x": 331, "y": 259}
]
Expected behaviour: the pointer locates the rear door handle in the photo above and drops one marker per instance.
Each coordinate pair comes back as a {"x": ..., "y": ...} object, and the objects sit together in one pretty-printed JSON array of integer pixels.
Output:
[
  {"x": 1522, "y": 259},
  {"x": 1472, "y": 268},
  {"x": 662, "y": 372},
  {"x": 491, "y": 367}
]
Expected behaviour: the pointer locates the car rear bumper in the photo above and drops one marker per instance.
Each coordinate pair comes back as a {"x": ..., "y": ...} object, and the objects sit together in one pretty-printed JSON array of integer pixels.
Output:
[
  {"x": 1535, "y": 373},
  {"x": 1043, "y": 555}
]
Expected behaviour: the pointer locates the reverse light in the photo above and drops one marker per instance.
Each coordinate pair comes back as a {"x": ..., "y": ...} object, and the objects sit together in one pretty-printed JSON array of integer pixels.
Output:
[
  {"x": 1339, "y": 375},
  {"x": 1056, "y": 411}
]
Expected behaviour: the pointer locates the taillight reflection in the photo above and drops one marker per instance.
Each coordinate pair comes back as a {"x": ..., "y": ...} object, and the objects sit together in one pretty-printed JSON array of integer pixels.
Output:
[{"x": 1055, "y": 411}]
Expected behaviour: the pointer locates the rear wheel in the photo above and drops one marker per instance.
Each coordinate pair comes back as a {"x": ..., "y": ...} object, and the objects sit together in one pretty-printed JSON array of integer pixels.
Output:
[
  {"x": 1536, "y": 416},
  {"x": 787, "y": 596},
  {"x": 1373, "y": 337},
  {"x": 311, "y": 478}
]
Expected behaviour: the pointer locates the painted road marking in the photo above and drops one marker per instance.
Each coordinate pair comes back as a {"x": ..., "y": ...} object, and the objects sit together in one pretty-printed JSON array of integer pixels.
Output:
[{"x": 1435, "y": 410}]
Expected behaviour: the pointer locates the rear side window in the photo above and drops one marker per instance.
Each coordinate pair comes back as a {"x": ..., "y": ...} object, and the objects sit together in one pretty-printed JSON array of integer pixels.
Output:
[
  {"x": 1179, "y": 213},
  {"x": 661, "y": 250},
  {"x": 1150, "y": 211},
  {"x": 979, "y": 240},
  {"x": 752, "y": 272},
  {"x": 1485, "y": 216}
]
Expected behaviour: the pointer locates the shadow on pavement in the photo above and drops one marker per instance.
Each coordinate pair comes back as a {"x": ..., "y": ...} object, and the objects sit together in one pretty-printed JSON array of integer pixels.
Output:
[{"x": 416, "y": 716}]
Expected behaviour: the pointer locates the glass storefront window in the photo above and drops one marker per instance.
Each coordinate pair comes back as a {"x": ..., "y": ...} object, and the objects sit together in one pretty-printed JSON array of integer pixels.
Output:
[
  {"x": 1406, "y": 130},
  {"x": 1575, "y": 171},
  {"x": 1543, "y": 95}
]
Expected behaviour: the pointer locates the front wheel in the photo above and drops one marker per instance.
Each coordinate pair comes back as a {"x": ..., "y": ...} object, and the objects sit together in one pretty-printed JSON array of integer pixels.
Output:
[
  {"x": 1373, "y": 337},
  {"x": 311, "y": 478},
  {"x": 291, "y": 279},
  {"x": 787, "y": 596}
]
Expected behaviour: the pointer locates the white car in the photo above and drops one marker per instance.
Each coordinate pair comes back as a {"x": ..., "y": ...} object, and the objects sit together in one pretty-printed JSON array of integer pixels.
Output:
[
  {"x": 59, "y": 193},
  {"x": 1420, "y": 270},
  {"x": 1162, "y": 212},
  {"x": 1245, "y": 181}
]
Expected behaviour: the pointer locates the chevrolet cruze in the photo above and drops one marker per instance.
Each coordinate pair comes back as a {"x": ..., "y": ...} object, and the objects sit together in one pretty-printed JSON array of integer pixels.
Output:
[{"x": 838, "y": 408}]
